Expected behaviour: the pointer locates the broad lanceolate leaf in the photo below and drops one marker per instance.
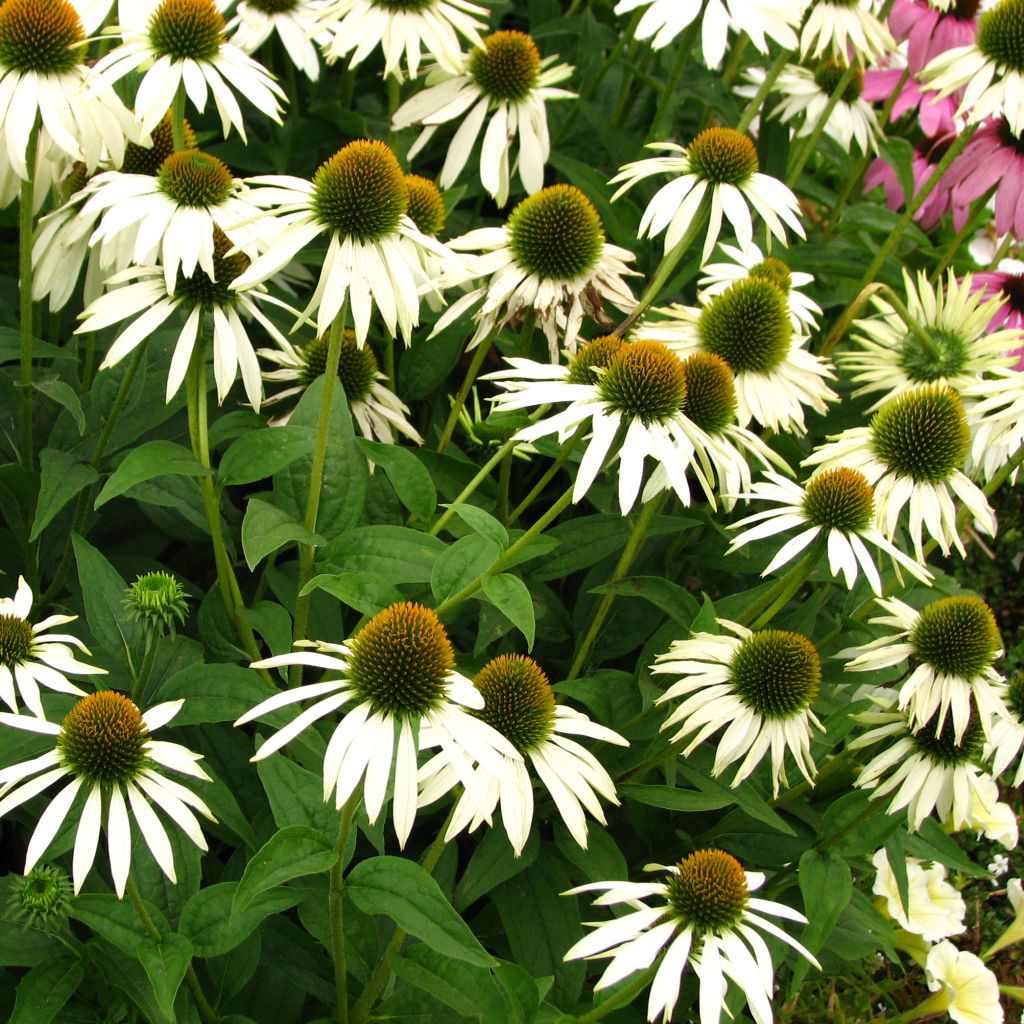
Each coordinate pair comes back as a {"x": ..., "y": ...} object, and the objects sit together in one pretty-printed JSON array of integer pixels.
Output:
[
  {"x": 510, "y": 595},
  {"x": 266, "y": 528},
  {"x": 826, "y": 886},
  {"x": 214, "y": 930},
  {"x": 165, "y": 963},
  {"x": 103, "y": 593},
  {"x": 262, "y": 453},
  {"x": 149, "y": 460},
  {"x": 406, "y": 474},
  {"x": 291, "y": 853},
  {"x": 62, "y": 476},
  {"x": 43, "y": 992}
]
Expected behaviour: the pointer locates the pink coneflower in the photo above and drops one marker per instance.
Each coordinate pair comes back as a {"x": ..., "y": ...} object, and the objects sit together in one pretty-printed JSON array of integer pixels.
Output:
[
  {"x": 926, "y": 155},
  {"x": 1008, "y": 283},
  {"x": 995, "y": 156},
  {"x": 929, "y": 31},
  {"x": 934, "y": 116}
]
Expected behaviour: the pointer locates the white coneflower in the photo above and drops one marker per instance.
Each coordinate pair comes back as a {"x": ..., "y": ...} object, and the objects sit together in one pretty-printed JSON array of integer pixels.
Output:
[
  {"x": 1007, "y": 738},
  {"x": 379, "y": 413},
  {"x": 954, "y": 345},
  {"x": 31, "y": 656},
  {"x": 375, "y": 255},
  {"x": 990, "y": 71},
  {"x": 759, "y": 687},
  {"x": 43, "y": 81},
  {"x": 399, "y": 674},
  {"x": 721, "y": 166},
  {"x": 104, "y": 748},
  {"x": 519, "y": 704},
  {"x": 506, "y": 80},
  {"x": 838, "y": 504},
  {"x": 912, "y": 453},
  {"x": 297, "y": 23},
  {"x": 749, "y": 326},
  {"x": 702, "y": 914},
  {"x": 550, "y": 258},
  {"x": 402, "y": 28},
  {"x": 953, "y": 644},
  {"x": 807, "y": 91},
  {"x": 841, "y": 27},
  {"x": 182, "y": 44}
]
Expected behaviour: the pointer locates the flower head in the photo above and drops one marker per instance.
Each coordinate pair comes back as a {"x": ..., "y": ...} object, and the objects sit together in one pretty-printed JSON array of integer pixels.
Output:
[
  {"x": 41, "y": 898},
  {"x": 994, "y": 157},
  {"x": 703, "y": 914},
  {"x": 839, "y": 27},
  {"x": 297, "y": 23},
  {"x": 934, "y": 909},
  {"x": 964, "y": 987},
  {"x": 157, "y": 600},
  {"x": 104, "y": 748}
]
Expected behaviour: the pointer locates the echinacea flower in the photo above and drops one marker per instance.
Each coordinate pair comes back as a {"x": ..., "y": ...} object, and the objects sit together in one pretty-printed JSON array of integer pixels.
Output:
[
  {"x": 952, "y": 644},
  {"x": 720, "y": 170},
  {"x": 990, "y": 70},
  {"x": 505, "y": 80},
  {"x": 519, "y": 704},
  {"x": 550, "y": 258},
  {"x": 104, "y": 747},
  {"x": 912, "y": 453},
  {"x": 757, "y": 686},
  {"x": 31, "y": 656},
  {"x": 182, "y": 43},
  {"x": 930, "y": 29},
  {"x": 379, "y": 413},
  {"x": 399, "y": 673},
  {"x": 841, "y": 28},
  {"x": 997, "y": 422},
  {"x": 750, "y": 327},
  {"x": 140, "y": 295},
  {"x": 807, "y": 91},
  {"x": 935, "y": 115},
  {"x": 702, "y": 914},
  {"x": 43, "y": 80},
  {"x": 1007, "y": 284},
  {"x": 1007, "y": 737},
  {"x": 402, "y": 28},
  {"x": 297, "y": 23},
  {"x": 954, "y": 346},
  {"x": 934, "y": 909},
  {"x": 837, "y": 504},
  {"x": 964, "y": 987},
  {"x": 375, "y": 255}
]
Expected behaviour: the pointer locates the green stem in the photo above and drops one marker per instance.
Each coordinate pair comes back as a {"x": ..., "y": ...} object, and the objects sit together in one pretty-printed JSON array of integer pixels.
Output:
[
  {"x": 146, "y": 669},
  {"x": 26, "y": 310},
  {"x": 978, "y": 209},
  {"x": 625, "y": 562},
  {"x": 316, "y": 478},
  {"x": 504, "y": 479},
  {"x": 178, "y": 119},
  {"x": 842, "y": 325},
  {"x": 811, "y": 144},
  {"x": 736, "y": 62},
  {"x": 394, "y": 100},
  {"x": 769, "y": 604},
  {"x": 623, "y": 997},
  {"x": 1004, "y": 248},
  {"x": 563, "y": 456},
  {"x": 670, "y": 87},
  {"x": 206, "y": 1011},
  {"x": 754, "y": 106},
  {"x": 473, "y": 484},
  {"x": 336, "y": 907},
  {"x": 460, "y": 399}
]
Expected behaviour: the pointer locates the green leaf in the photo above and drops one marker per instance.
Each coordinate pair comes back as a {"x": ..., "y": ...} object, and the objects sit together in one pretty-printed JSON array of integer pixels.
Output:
[
  {"x": 149, "y": 460},
  {"x": 45, "y": 989},
  {"x": 402, "y": 890},
  {"x": 826, "y": 886},
  {"x": 296, "y": 795},
  {"x": 509, "y": 594},
  {"x": 481, "y": 522},
  {"x": 745, "y": 797},
  {"x": 672, "y": 799},
  {"x": 671, "y": 598},
  {"x": 64, "y": 395},
  {"x": 62, "y": 476},
  {"x": 266, "y": 528},
  {"x": 262, "y": 453},
  {"x": 291, "y": 853},
  {"x": 103, "y": 592},
  {"x": 406, "y": 474},
  {"x": 165, "y": 963},
  {"x": 493, "y": 862},
  {"x": 214, "y": 930},
  {"x": 213, "y": 693},
  {"x": 931, "y": 843},
  {"x": 367, "y": 592},
  {"x": 584, "y": 541},
  {"x": 469, "y": 991},
  {"x": 116, "y": 920},
  {"x": 396, "y": 553},
  {"x": 461, "y": 563}
]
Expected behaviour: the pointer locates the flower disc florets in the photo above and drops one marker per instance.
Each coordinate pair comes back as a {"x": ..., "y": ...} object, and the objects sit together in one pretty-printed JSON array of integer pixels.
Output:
[
  {"x": 941, "y": 746},
  {"x": 273, "y": 6},
  {"x": 200, "y": 289},
  {"x": 556, "y": 234},
  {"x": 597, "y": 353},
  {"x": 401, "y": 660},
  {"x": 1015, "y": 696},
  {"x": 507, "y": 66},
  {"x": 827, "y": 75},
  {"x": 723, "y": 156},
  {"x": 15, "y": 640},
  {"x": 771, "y": 269},
  {"x": 839, "y": 499},
  {"x": 957, "y": 636},
  {"x": 186, "y": 30},
  {"x": 922, "y": 434},
  {"x": 157, "y": 599},
  {"x": 710, "y": 391},
  {"x": 426, "y": 206},
  {"x": 397, "y": 6},
  {"x": 709, "y": 890},
  {"x": 1008, "y": 138},
  {"x": 748, "y": 325},
  {"x": 103, "y": 739},
  {"x": 361, "y": 192},
  {"x": 644, "y": 380},
  {"x": 41, "y": 897},
  {"x": 142, "y": 160},
  {"x": 776, "y": 673},
  {"x": 40, "y": 35},
  {"x": 1013, "y": 288},
  {"x": 194, "y": 178},
  {"x": 518, "y": 701},
  {"x": 1001, "y": 34},
  {"x": 357, "y": 365}
]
